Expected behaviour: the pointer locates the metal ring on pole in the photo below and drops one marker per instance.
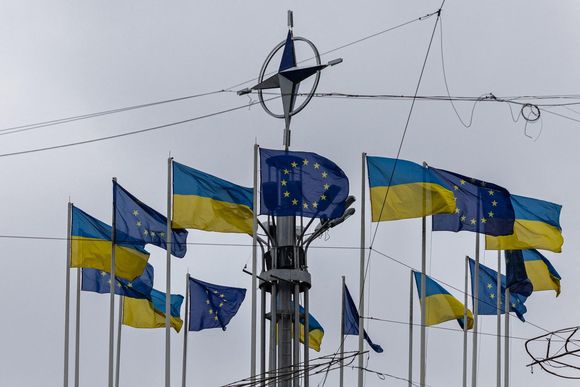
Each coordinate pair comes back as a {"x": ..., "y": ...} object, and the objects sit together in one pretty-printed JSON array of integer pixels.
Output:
[{"x": 265, "y": 66}]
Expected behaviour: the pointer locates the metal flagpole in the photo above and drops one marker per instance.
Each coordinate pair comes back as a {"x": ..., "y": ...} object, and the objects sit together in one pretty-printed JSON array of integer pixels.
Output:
[
  {"x": 119, "y": 327},
  {"x": 410, "y": 374},
  {"x": 306, "y": 333},
  {"x": 296, "y": 333},
  {"x": 168, "y": 279},
  {"x": 67, "y": 293},
  {"x": 342, "y": 333},
  {"x": 475, "y": 313},
  {"x": 499, "y": 318},
  {"x": 361, "y": 304},
  {"x": 423, "y": 306},
  {"x": 423, "y": 289},
  {"x": 78, "y": 330},
  {"x": 254, "y": 266},
  {"x": 186, "y": 326},
  {"x": 112, "y": 292},
  {"x": 506, "y": 371},
  {"x": 465, "y": 325}
]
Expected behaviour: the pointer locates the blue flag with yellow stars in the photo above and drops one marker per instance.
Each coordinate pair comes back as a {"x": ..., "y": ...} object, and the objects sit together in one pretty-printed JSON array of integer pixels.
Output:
[
  {"x": 212, "y": 306},
  {"x": 301, "y": 184},
  {"x": 138, "y": 221},
  {"x": 481, "y": 207},
  {"x": 488, "y": 292},
  {"x": 99, "y": 281}
]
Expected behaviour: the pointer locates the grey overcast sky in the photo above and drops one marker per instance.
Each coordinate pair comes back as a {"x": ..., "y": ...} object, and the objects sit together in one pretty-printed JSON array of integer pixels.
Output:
[{"x": 64, "y": 58}]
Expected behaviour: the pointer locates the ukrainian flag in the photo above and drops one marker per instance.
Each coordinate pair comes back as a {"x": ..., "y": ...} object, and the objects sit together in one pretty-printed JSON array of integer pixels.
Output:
[
  {"x": 413, "y": 191},
  {"x": 206, "y": 202},
  {"x": 537, "y": 226},
  {"x": 440, "y": 305},
  {"x": 541, "y": 272},
  {"x": 143, "y": 313},
  {"x": 315, "y": 329},
  {"x": 91, "y": 247}
]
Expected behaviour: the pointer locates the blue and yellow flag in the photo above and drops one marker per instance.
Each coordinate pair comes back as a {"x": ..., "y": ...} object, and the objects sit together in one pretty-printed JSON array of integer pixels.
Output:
[
  {"x": 541, "y": 272},
  {"x": 537, "y": 226},
  {"x": 440, "y": 306},
  {"x": 137, "y": 221},
  {"x": 401, "y": 189},
  {"x": 212, "y": 306},
  {"x": 98, "y": 281},
  {"x": 482, "y": 207},
  {"x": 301, "y": 184},
  {"x": 488, "y": 291},
  {"x": 144, "y": 313},
  {"x": 316, "y": 331},
  {"x": 91, "y": 247},
  {"x": 206, "y": 202},
  {"x": 351, "y": 317}
]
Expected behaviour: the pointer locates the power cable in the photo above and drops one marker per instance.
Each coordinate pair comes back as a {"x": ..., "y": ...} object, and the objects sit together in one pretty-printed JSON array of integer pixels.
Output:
[
  {"x": 22, "y": 128},
  {"x": 98, "y": 139}
]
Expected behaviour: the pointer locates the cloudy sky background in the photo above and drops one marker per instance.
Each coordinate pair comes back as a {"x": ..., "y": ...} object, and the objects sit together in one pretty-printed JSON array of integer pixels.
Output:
[{"x": 61, "y": 59}]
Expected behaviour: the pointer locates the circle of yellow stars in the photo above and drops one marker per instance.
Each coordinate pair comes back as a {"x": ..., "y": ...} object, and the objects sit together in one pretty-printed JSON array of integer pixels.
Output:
[
  {"x": 473, "y": 221},
  {"x": 146, "y": 232},
  {"x": 295, "y": 202},
  {"x": 211, "y": 307}
]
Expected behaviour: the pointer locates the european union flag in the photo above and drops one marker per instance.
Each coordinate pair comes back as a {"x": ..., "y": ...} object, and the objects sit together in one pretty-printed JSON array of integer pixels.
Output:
[
  {"x": 516, "y": 275},
  {"x": 481, "y": 207},
  {"x": 301, "y": 184},
  {"x": 488, "y": 292},
  {"x": 351, "y": 320},
  {"x": 212, "y": 306},
  {"x": 98, "y": 281},
  {"x": 138, "y": 221}
]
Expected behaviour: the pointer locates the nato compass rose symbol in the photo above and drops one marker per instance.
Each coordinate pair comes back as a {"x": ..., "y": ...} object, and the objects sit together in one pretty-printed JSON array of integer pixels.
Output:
[{"x": 288, "y": 77}]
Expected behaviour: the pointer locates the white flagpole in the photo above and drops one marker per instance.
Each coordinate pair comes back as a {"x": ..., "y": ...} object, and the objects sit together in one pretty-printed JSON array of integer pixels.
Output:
[
  {"x": 67, "y": 294},
  {"x": 119, "y": 327},
  {"x": 506, "y": 372},
  {"x": 423, "y": 301},
  {"x": 253, "y": 336},
  {"x": 410, "y": 374},
  {"x": 465, "y": 325},
  {"x": 361, "y": 304},
  {"x": 341, "y": 383},
  {"x": 475, "y": 313},
  {"x": 498, "y": 295},
  {"x": 78, "y": 330},
  {"x": 186, "y": 329},
  {"x": 112, "y": 292},
  {"x": 168, "y": 278},
  {"x": 423, "y": 364}
]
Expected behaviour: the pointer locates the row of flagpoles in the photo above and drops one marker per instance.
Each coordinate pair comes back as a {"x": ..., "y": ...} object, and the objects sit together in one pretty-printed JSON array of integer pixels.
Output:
[{"x": 399, "y": 189}]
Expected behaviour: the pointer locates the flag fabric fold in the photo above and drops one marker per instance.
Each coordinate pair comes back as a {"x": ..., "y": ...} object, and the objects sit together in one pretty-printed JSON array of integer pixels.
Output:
[
  {"x": 212, "y": 306},
  {"x": 401, "y": 189},
  {"x": 516, "y": 277},
  {"x": 316, "y": 331},
  {"x": 541, "y": 272},
  {"x": 144, "y": 313},
  {"x": 351, "y": 320},
  {"x": 137, "y": 221},
  {"x": 91, "y": 247},
  {"x": 537, "y": 226},
  {"x": 487, "y": 293},
  {"x": 301, "y": 184},
  {"x": 482, "y": 207},
  {"x": 98, "y": 281},
  {"x": 205, "y": 202},
  {"x": 440, "y": 305}
]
